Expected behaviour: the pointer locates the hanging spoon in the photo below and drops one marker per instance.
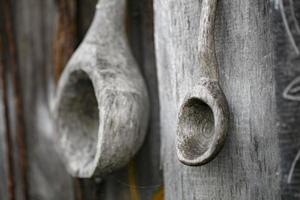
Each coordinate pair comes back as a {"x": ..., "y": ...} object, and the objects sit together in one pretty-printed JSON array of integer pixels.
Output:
[
  {"x": 101, "y": 107},
  {"x": 203, "y": 117}
]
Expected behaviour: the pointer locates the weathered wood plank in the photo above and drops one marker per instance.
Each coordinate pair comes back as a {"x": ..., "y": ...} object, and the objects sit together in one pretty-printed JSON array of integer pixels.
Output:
[
  {"x": 34, "y": 25},
  {"x": 247, "y": 167},
  {"x": 287, "y": 43}
]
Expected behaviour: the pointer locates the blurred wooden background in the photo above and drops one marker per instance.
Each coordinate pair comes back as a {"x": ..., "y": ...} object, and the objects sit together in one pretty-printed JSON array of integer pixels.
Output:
[{"x": 37, "y": 38}]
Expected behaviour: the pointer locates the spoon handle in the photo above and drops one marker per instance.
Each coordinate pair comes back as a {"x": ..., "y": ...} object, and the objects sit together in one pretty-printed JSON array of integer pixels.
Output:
[{"x": 206, "y": 43}]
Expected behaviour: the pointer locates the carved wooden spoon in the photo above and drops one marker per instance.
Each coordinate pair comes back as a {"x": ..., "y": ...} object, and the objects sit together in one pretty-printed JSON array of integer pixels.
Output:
[
  {"x": 101, "y": 107},
  {"x": 203, "y": 117}
]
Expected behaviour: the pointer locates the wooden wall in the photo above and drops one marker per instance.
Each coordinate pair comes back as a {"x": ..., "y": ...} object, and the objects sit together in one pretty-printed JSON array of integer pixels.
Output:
[{"x": 257, "y": 47}]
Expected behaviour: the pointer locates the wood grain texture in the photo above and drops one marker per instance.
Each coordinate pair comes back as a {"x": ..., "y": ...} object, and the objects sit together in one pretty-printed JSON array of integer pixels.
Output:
[
  {"x": 18, "y": 102},
  {"x": 34, "y": 24},
  {"x": 245, "y": 170},
  {"x": 248, "y": 166},
  {"x": 206, "y": 40}
]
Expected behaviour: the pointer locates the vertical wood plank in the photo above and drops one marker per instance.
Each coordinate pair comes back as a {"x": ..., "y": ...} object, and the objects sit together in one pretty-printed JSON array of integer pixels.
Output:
[
  {"x": 287, "y": 72},
  {"x": 247, "y": 167},
  {"x": 34, "y": 25}
]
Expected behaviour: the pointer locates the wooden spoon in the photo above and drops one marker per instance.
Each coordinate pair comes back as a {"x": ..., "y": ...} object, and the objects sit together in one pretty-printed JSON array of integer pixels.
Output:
[
  {"x": 203, "y": 117},
  {"x": 101, "y": 107}
]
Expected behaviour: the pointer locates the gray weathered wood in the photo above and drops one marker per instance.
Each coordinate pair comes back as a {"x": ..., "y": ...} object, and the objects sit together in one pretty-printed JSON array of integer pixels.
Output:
[
  {"x": 33, "y": 28},
  {"x": 287, "y": 43},
  {"x": 248, "y": 166}
]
